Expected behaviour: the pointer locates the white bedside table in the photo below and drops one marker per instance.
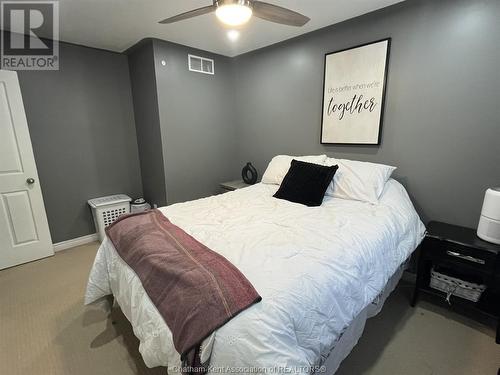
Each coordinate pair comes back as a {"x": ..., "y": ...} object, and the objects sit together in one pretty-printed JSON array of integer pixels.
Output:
[{"x": 232, "y": 185}]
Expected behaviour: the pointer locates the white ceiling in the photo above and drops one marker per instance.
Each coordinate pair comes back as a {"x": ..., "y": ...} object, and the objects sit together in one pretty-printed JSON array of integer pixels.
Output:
[{"x": 118, "y": 24}]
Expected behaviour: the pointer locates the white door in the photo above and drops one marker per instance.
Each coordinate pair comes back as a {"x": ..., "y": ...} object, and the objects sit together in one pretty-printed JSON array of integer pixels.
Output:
[{"x": 24, "y": 232}]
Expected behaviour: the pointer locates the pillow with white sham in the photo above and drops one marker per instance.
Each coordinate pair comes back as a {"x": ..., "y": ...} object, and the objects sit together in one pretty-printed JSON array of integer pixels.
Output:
[
  {"x": 279, "y": 165},
  {"x": 358, "y": 180}
]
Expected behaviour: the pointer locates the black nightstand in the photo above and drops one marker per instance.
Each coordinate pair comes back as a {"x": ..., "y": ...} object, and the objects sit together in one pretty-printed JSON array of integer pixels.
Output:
[{"x": 459, "y": 249}]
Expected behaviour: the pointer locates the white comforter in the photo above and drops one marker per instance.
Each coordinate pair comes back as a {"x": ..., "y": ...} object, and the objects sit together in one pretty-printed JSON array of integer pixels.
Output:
[{"x": 315, "y": 268}]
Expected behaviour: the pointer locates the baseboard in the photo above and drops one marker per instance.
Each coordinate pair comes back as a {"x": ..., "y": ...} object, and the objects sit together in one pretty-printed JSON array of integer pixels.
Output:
[{"x": 64, "y": 245}]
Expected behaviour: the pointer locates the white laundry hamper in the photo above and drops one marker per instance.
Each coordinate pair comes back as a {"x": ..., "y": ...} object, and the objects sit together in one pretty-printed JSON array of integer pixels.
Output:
[{"x": 107, "y": 209}]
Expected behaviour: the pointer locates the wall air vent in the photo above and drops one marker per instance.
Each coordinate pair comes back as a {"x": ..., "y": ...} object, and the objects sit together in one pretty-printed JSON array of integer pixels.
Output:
[{"x": 201, "y": 64}]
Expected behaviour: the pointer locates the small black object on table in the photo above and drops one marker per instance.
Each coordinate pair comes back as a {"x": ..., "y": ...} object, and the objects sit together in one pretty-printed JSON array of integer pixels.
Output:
[
  {"x": 249, "y": 174},
  {"x": 460, "y": 250}
]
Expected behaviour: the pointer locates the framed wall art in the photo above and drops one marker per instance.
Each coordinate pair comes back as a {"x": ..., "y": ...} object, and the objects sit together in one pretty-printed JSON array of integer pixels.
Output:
[{"x": 354, "y": 94}]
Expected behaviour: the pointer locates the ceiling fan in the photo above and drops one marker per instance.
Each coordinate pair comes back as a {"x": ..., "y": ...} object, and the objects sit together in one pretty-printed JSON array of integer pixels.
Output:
[{"x": 238, "y": 12}]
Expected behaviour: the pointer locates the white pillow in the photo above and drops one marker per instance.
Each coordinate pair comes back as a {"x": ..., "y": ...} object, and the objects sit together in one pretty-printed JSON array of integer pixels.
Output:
[
  {"x": 279, "y": 165},
  {"x": 358, "y": 180}
]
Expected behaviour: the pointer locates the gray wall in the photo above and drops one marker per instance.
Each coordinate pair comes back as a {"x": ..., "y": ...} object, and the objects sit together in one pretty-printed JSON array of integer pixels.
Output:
[
  {"x": 197, "y": 122},
  {"x": 147, "y": 121},
  {"x": 442, "y": 116},
  {"x": 81, "y": 123}
]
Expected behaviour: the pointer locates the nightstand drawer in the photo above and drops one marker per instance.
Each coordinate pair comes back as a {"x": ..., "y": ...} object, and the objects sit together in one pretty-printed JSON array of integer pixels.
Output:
[{"x": 461, "y": 255}]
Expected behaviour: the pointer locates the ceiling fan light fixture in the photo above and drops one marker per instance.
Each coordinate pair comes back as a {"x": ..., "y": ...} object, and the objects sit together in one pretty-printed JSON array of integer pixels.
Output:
[{"x": 234, "y": 13}]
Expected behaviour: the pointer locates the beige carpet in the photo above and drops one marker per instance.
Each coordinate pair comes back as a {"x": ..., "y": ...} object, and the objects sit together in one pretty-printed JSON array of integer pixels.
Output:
[{"x": 45, "y": 330}]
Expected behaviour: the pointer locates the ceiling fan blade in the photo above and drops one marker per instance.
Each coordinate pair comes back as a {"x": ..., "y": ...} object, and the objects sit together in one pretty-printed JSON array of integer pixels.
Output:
[
  {"x": 190, "y": 14},
  {"x": 278, "y": 14}
]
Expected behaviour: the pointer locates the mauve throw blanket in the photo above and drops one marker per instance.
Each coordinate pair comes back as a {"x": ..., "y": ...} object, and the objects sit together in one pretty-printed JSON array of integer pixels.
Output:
[{"x": 194, "y": 289}]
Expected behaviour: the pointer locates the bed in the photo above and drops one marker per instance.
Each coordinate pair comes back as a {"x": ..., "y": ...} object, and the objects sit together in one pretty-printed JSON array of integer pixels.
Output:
[{"x": 321, "y": 272}]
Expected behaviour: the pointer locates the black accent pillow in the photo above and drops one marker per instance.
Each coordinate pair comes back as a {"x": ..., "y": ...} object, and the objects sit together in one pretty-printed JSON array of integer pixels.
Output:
[{"x": 306, "y": 183}]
